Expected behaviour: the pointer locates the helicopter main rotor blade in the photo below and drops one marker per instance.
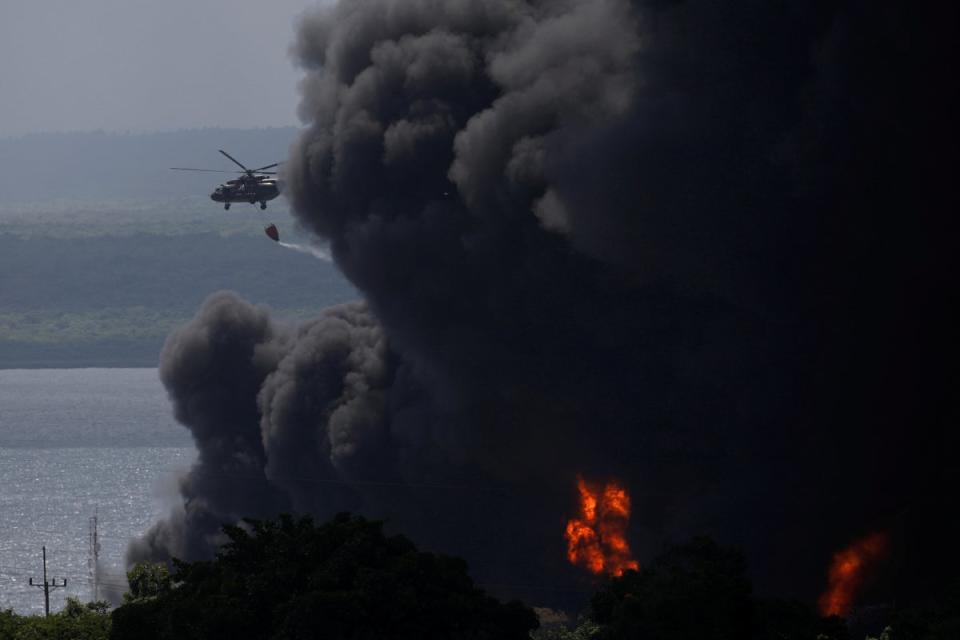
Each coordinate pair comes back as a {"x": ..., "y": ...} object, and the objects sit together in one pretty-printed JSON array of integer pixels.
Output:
[
  {"x": 209, "y": 170},
  {"x": 234, "y": 159},
  {"x": 269, "y": 166}
]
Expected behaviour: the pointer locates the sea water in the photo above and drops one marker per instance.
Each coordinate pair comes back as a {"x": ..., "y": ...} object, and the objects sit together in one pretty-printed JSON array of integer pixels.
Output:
[{"x": 77, "y": 444}]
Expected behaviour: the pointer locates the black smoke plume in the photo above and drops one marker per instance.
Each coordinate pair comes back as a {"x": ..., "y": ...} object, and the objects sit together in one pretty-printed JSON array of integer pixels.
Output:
[{"x": 705, "y": 248}]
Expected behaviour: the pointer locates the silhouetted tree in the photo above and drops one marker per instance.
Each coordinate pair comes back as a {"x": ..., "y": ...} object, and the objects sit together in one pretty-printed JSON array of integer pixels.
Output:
[
  {"x": 693, "y": 591},
  {"x": 936, "y": 619},
  {"x": 792, "y": 620},
  {"x": 291, "y": 579},
  {"x": 700, "y": 590},
  {"x": 583, "y": 630}
]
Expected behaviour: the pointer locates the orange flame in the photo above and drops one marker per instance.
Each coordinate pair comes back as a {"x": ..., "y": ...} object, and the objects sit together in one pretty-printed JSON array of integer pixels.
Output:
[
  {"x": 848, "y": 571},
  {"x": 597, "y": 539}
]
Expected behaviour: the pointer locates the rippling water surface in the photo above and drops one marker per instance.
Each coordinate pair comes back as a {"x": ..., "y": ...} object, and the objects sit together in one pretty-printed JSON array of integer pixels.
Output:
[{"x": 75, "y": 443}]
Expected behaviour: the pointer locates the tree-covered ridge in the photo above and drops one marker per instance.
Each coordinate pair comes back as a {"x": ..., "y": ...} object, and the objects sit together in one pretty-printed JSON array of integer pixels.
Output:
[
  {"x": 160, "y": 272},
  {"x": 111, "y": 300},
  {"x": 48, "y": 326}
]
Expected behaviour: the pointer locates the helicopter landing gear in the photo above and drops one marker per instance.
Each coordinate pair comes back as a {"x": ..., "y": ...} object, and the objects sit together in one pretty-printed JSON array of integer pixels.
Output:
[
  {"x": 263, "y": 205},
  {"x": 226, "y": 206}
]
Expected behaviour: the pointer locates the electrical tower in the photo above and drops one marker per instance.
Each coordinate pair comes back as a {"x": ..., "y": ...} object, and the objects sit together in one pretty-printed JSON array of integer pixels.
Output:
[
  {"x": 47, "y": 585},
  {"x": 93, "y": 560}
]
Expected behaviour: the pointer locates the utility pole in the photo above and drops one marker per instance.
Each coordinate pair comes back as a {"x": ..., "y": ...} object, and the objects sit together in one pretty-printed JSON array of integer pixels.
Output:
[
  {"x": 93, "y": 562},
  {"x": 47, "y": 584}
]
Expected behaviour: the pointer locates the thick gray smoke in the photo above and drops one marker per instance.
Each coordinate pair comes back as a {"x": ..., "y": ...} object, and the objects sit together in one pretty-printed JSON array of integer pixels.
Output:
[{"x": 691, "y": 245}]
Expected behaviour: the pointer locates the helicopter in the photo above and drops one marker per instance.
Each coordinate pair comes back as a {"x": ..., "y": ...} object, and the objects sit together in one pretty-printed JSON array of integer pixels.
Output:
[{"x": 255, "y": 185}]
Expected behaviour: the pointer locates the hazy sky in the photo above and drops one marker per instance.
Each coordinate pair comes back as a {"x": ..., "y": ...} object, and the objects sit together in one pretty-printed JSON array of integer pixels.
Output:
[{"x": 145, "y": 65}]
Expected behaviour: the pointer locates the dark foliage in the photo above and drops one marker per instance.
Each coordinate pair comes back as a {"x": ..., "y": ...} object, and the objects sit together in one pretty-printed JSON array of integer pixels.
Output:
[
  {"x": 936, "y": 619},
  {"x": 147, "y": 581},
  {"x": 696, "y": 590},
  {"x": 792, "y": 620},
  {"x": 701, "y": 590},
  {"x": 291, "y": 579},
  {"x": 77, "y": 621}
]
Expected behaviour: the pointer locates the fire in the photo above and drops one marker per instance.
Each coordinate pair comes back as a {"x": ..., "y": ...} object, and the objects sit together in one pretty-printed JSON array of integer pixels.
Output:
[
  {"x": 848, "y": 571},
  {"x": 596, "y": 540}
]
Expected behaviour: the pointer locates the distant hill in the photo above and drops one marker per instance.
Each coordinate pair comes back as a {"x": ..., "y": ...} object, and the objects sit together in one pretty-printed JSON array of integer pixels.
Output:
[
  {"x": 112, "y": 300},
  {"x": 84, "y": 166},
  {"x": 169, "y": 273}
]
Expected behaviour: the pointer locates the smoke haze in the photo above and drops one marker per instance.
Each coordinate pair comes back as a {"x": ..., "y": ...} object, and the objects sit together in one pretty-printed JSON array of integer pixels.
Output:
[{"x": 701, "y": 249}]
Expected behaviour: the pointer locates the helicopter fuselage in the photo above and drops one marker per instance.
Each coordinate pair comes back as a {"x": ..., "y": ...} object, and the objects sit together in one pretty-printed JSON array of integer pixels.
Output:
[
  {"x": 254, "y": 185},
  {"x": 251, "y": 191}
]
